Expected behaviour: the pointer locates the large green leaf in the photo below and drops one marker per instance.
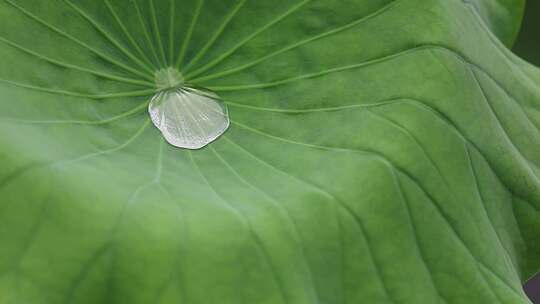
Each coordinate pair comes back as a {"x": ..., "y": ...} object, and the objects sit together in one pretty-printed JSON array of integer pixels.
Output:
[{"x": 380, "y": 152}]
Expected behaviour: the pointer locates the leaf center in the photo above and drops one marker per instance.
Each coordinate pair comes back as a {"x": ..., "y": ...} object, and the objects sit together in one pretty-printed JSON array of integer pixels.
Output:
[{"x": 168, "y": 78}]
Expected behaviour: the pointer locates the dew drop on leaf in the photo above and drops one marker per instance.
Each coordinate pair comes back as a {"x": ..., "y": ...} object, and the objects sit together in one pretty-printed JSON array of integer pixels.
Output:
[{"x": 187, "y": 117}]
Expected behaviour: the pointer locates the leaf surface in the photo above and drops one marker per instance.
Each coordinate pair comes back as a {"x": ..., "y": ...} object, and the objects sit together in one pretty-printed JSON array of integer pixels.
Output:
[{"x": 381, "y": 151}]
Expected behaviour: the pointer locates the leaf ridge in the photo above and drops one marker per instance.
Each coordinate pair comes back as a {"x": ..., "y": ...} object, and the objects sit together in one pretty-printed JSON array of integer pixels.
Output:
[
  {"x": 156, "y": 31},
  {"x": 470, "y": 164},
  {"x": 83, "y": 95},
  {"x": 172, "y": 9},
  {"x": 63, "y": 163},
  {"x": 108, "y": 36},
  {"x": 244, "y": 219},
  {"x": 75, "y": 67},
  {"x": 187, "y": 38},
  {"x": 81, "y": 122},
  {"x": 145, "y": 32},
  {"x": 360, "y": 226},
  {"x": 284, "y": 211},
  {"x": 387, "y": 163},
  {"x": 422, "y": 255},
  {"x": 127, "y": 33},
  {"x": 296, "y": 45},
  {"x": 216, "y": 34},
  {"x": 227, "y": 53},
  {"x": 79, "y": 42}
]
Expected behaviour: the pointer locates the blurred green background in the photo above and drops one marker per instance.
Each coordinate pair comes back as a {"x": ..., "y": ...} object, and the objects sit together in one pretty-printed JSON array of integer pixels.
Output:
[{"x": 528, "y": 44}]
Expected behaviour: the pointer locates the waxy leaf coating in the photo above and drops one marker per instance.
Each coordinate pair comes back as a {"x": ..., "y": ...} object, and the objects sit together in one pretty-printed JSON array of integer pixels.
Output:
[{"x": 379, "y": 151}]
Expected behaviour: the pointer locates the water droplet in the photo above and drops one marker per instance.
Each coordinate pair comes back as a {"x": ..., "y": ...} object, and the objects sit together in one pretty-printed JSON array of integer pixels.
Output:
[{"x": 187, "y": 117}]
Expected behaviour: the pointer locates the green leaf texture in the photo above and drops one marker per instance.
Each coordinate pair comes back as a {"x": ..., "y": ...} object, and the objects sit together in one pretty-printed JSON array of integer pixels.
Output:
[{"x": 380, "y": 151}]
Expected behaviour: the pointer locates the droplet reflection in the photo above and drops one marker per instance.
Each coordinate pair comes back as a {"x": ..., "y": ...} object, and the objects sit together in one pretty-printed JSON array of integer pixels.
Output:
[{"x": 188, "y": 118}]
